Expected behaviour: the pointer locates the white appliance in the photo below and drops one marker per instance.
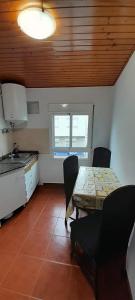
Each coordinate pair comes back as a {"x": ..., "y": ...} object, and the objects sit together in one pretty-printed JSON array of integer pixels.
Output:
[
  {"x": 12, "y": 192},
  {"x": 14, "y": 102}
]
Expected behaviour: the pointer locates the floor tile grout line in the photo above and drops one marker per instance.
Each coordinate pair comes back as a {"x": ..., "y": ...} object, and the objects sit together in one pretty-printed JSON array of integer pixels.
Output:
[
  {"x": 39, "y": 230},
  {"x": 36, "y": 219},
  {"x": 19, "y": 252},
  {"x": 8, "y": 270},
  {"x": 47, "y": 249},
  {"x": 38, "y": 258},
  {"x": 61, "y": 263},
  {"x": 21, "y": 294},
  {"x": 45, "y": 259},
  {"x": 36, "y": 281}
]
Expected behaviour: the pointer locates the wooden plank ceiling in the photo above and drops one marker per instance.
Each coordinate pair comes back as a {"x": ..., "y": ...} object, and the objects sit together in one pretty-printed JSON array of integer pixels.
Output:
[{"x": 93, "y": 42}]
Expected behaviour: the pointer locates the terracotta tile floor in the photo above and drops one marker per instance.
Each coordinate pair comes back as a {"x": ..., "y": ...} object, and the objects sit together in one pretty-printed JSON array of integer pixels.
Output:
[{"x": 35, "y": 258}]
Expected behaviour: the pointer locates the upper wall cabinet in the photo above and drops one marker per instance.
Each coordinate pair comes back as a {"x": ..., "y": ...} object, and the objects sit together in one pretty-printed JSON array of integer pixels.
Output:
[{"x": 14, "y": 102}]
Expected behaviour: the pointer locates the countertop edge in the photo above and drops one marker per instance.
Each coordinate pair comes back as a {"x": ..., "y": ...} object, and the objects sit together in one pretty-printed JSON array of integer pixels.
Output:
[{"x": 19, "y": 165}]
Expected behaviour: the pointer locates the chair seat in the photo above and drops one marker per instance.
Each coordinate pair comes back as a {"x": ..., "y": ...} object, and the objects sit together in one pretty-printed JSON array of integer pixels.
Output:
[{"x": 86, "y": 232}]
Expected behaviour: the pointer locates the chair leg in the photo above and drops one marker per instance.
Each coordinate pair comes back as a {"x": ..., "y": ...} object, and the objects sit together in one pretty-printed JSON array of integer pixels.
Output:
[
  {"x": 123, "y": 267},
  {"x": 96, "y": 283},
  {"x": 72, "y": 248},
  {"x": 65, "y": 223},
  {"x": 72, "y": 253},
  {"x": 77, "y": 213}
]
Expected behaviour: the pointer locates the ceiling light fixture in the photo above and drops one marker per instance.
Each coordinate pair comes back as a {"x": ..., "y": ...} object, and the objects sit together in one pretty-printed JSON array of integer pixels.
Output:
[
  {"x": 36, "y": 22},
  {"x": 64, "y": 105}
]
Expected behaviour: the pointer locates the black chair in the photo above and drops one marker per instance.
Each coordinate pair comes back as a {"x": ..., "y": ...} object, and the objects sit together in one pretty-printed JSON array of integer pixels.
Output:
[
  {"x": 70, "y": 171},
  {"x": 104, "y": 235},
  {"x": 101, "y": 157}
]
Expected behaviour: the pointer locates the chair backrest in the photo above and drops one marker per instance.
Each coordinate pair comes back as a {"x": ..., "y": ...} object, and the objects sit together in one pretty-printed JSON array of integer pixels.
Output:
[
  {"x": 101, "y": 157},
  {"x": 70, "y": 170},
  {"x": 118, "y": 220}
]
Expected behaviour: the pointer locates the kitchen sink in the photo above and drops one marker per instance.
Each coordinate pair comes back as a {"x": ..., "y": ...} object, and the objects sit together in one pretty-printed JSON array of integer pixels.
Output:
[{"x": 19, "y": 158}]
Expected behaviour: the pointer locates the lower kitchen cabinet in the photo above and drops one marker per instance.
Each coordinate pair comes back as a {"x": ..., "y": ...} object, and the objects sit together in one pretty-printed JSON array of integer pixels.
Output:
[
  {"x": 16, "y": 187},
  {"x": 12, "y": 192}
]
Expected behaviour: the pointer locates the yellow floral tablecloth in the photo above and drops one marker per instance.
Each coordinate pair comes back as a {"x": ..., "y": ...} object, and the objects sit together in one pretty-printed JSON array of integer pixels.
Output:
[{"x": 91, "y": 188}]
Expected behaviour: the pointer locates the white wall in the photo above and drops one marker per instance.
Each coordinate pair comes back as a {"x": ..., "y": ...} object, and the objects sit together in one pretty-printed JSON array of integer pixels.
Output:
[
  {"x": 2, "y": 122},
  {"x": 51, "y": 169},
  {"x": 123, "y": 143},
  {"x": 100, "y": 96},
  {"x": 123, "y": 125}
]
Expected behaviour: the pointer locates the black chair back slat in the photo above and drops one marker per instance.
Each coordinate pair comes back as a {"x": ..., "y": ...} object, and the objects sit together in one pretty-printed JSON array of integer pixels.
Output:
[
  {"x": 70, "y": 170},
  {"x": 101, "y": 157}
]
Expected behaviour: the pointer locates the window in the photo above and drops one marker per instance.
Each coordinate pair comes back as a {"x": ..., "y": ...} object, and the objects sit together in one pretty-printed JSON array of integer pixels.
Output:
[
  {"x": 80, "y": 130},
  {"x": 61, "y": 131},
  {"x": 70, "y": 135}
]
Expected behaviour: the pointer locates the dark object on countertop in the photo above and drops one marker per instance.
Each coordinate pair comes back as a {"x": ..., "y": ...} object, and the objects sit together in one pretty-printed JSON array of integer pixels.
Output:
[
  {"x": 104, "y": 235},
  {"x": 29, "y": 151},
  {"x": 15, "y": 150},
  {"x": 70, "y": 171},
  {"x": 101, "y": 157}
]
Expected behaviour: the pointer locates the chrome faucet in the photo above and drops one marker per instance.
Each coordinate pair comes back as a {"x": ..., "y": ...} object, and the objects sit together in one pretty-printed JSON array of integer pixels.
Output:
[{"x": 12, "y": 153}]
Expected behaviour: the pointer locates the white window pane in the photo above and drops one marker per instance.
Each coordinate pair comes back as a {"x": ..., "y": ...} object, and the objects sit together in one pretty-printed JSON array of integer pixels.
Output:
[
  {"x": 79, "y": 130},
  {"x": 61, "y": 130}
]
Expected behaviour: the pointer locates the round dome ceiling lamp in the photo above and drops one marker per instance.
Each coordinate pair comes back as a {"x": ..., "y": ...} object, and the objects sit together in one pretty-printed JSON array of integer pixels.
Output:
[{"x": 36, "y": 22}]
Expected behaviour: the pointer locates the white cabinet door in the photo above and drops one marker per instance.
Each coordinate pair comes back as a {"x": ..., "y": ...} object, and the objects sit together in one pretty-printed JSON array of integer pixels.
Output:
[
  {"x": 12, "y": 192},
  {"x": 28, "y": 183},
  {"x": 31, "y": 179},
  {"x": 35, "y": 174}
]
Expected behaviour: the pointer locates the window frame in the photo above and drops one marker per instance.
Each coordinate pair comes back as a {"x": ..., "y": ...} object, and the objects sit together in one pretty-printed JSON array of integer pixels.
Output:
[{"x": 70, "y": 148}]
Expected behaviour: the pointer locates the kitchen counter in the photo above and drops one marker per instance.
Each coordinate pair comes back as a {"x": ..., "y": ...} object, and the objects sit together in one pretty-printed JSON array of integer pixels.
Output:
[
  {"x": 5, "y": 168},
  {"x": 8, "y": 164}
]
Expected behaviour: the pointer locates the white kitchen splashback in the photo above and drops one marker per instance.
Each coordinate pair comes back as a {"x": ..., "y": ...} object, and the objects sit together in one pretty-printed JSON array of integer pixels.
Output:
[{"x": 51, "y": 169}]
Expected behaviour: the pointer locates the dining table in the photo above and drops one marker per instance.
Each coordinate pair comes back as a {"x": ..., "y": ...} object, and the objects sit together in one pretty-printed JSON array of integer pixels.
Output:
[{"x": 92, "y": 186}]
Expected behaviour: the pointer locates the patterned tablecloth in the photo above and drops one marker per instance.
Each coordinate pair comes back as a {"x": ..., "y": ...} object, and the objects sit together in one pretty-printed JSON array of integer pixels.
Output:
[{"x": 91, "y": 188}]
